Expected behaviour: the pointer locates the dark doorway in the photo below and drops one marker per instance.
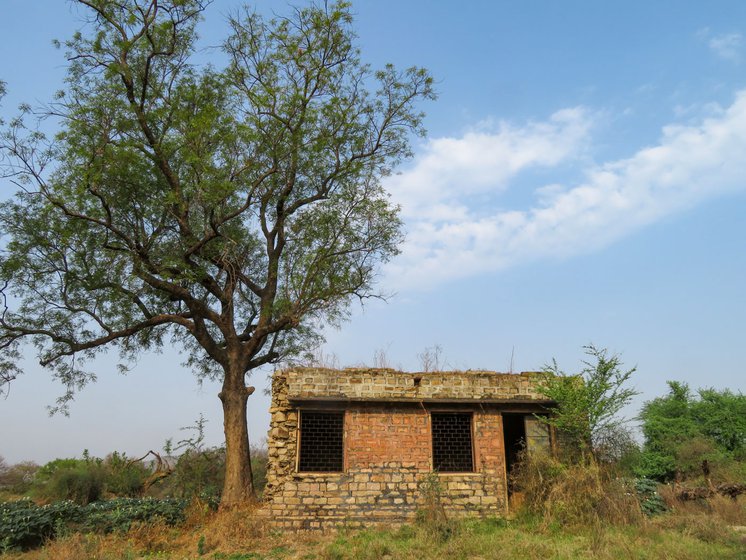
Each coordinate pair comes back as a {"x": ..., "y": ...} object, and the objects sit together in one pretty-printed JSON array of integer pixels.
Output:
[{"x": 514, "y": 432}]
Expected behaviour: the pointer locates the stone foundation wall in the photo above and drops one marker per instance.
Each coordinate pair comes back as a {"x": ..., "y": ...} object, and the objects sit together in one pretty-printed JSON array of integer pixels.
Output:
[{"x": 388, "y": 472}]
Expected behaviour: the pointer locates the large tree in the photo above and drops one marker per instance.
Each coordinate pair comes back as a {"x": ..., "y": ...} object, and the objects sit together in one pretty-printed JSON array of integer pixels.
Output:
[{"x": 228, "y": 210}]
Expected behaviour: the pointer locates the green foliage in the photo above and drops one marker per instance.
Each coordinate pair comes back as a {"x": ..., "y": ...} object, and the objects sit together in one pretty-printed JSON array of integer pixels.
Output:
[
  {"x": 199, "y": 470},
  {"x": 655, "y": 465},
  {"x": 588, "y": 402},
  {"x": 124, "y": 477},
  {"x": 198, "y": 473},
  {"x": 432, "y": 515},
  {"x": 201, "y": 545},
  {"x": 682, "y": 430},
  {"x": 230, "y": 211},
  {"x": 259, "y": 463},
  {"x": 79, "y": 480},
  {"x": 198, "y": 203},
  {"x": 89, "y": 479},
  {"x": 24, "y": 524},
  {"x": 651, "y": 502},
  {"x": 119, "y": 514}
]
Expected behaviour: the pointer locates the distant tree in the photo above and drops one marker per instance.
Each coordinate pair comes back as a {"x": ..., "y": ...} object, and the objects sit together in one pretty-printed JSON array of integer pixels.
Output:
[
  {"x": 588, "y": 402},
  {"x": 228, "y": 212},
  {"x": 17, "y": 478},
  {"x": 682, "y": 429}
]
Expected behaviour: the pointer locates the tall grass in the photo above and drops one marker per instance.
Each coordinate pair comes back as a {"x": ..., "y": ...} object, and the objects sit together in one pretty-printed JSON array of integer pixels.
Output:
[
  {"x": 240, "y": 535},
  {"x": 576, "y": 494}
]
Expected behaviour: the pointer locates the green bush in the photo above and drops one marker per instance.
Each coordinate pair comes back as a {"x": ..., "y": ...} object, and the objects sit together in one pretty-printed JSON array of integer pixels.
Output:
[
  {"x": 196, "y": 474},
  {"x": 259, "y": 459},
  {"x": 89, "y": 479},
  {"x": 79, "y": 480},
  {"x": 120, "y": 513},
  {"x": 24, "y": 524},
  {"x": 199, "y": 471},
  {"x": 124, "y": 477},
  {"x": 651, "y": 502}
]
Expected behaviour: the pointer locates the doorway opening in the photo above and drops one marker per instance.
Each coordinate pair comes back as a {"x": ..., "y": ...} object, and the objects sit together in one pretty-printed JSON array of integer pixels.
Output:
[{"x": 514, "y": 433}]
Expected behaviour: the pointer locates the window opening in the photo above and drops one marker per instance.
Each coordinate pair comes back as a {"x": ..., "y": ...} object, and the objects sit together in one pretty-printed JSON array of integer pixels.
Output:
[
  {"x": 452, "y": 446},
  {"x": 321, "y": 442}
]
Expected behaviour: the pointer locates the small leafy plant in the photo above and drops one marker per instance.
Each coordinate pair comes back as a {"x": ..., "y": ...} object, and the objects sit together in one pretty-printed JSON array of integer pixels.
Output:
[{"x": 24, "y": 524}]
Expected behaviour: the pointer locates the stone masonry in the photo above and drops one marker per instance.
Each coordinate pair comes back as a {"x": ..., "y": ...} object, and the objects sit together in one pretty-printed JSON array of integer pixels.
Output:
[{"x": 388, "y": 471}]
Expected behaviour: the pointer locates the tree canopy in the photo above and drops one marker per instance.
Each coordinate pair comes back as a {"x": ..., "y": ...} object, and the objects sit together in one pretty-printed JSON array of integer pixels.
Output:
[
  {"x": 683, "y": 428},
  {"x": 229, "y": 211}
]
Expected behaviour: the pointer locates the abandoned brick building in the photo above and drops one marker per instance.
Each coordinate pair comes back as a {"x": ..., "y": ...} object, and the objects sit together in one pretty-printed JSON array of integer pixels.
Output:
[{"x": 358, "y": 446}]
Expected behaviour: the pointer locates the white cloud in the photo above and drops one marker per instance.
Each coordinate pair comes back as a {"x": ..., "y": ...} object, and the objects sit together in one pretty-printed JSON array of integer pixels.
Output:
[
  {"x": 726, "y": 45},
  {"x": 450, "y": 238},
  {"x": 482, "y": 161}
]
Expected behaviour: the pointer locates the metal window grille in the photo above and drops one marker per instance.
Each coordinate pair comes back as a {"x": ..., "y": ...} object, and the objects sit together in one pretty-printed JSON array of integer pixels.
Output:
[
  {"x": 452, "y": 448},
  {"x": 321, "y": 442}
]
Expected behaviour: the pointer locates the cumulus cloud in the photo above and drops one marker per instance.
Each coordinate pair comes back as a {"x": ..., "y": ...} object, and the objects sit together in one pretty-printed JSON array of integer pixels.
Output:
[{"x": 448, "y": 237}]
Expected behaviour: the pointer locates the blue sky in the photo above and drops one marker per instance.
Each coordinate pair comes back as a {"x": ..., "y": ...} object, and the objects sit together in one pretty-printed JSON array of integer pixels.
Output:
[{"x": 583, "y": 180}]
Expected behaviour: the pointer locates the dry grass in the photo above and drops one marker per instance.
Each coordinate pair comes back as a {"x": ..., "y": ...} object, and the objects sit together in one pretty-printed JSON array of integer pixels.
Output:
[
  {"x": 723, "y": 508},
  {"x": 685, "y": 534},
  {"x": 494, "y": 539},
  {"x": 669, "y": 537},
  {"x": 79, "y": 547},
  {"x": 575, "y": 495},
  {"x": 713, "y": 520}
]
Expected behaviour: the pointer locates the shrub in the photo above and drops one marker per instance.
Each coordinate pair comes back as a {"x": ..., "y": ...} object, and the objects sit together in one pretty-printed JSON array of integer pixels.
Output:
[
  {"x": 124, "y": 477},
  {"x": 89, "y": 479},
  {"x": 199, "y": 471},
  {"x": 259, "y": 460},
  {"x": 24, "y": 524},
  {"x": 534, "y": 475},
  {"x": 431, "y": 517},
  {"x": 576, "y": 495},
  {"x": 79, "y": 480},
  {"x": 588, "y": 402},
  {"x": 196, "y": 474},
  {"x": 651, "y": 501}
]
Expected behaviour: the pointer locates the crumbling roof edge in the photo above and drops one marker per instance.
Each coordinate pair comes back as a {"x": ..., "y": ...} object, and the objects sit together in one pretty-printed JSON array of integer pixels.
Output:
[
  {"x": 373, "y": 370},
  {"x": 406, "y": 400}
]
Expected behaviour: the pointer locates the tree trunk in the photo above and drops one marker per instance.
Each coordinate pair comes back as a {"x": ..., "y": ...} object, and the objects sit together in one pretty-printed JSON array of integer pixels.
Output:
[{"x": 238, "y": 488}]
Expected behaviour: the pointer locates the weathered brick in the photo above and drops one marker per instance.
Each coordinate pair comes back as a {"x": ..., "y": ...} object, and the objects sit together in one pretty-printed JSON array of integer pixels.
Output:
[{"x": 387, "y": 447}]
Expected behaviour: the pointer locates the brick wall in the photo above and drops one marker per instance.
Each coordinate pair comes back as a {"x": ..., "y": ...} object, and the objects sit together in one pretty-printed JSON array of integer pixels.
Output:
[
  {"x": 388, "y": 472},
  {"x": 375, "y": 436}
]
